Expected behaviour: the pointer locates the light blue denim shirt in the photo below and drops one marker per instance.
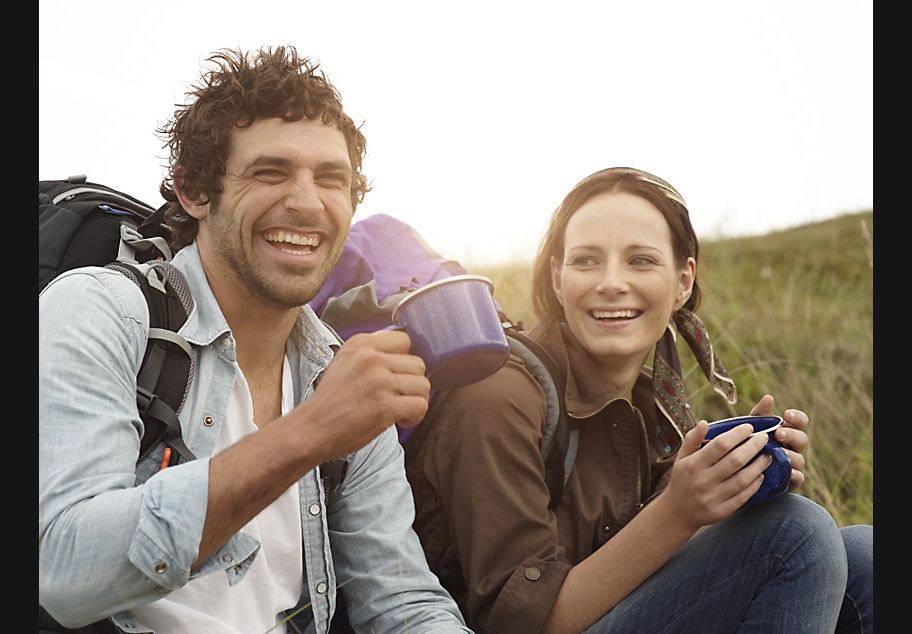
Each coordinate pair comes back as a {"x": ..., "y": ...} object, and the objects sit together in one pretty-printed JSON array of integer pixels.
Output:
[{"x": 112, "y": 535}]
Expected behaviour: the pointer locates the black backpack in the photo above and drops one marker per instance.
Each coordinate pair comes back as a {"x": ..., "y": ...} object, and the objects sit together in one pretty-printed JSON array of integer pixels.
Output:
[
  {"x": 88, "y": 224},
  {"x": 82, "y": 224}
]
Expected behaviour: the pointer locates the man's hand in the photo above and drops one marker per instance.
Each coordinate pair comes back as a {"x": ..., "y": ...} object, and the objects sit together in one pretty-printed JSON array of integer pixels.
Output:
[{"x": 372, "y": 383}]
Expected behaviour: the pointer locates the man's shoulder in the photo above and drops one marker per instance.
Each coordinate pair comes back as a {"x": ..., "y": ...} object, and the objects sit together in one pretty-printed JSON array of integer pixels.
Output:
[{"x": 90, "y": 285}]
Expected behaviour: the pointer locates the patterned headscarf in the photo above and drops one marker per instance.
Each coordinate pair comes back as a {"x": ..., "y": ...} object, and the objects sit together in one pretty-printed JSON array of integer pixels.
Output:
[{"x": 666, "y": 372}]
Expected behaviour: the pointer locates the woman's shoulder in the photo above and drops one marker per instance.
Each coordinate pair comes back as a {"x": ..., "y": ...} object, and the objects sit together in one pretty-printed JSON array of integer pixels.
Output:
[{"x": 507, "y": 404}]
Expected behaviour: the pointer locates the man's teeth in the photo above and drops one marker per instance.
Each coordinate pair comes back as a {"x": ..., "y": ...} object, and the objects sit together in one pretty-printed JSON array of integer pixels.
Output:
[
  {"x": 614, "y": 314},
  {"x": 293, "y": 238}
]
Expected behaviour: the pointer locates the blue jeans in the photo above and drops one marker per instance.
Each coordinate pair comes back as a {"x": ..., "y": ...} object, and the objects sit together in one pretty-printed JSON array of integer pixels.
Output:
[
  {"x": 778, "y": 567},
  {"x": 857, "y": 615}
]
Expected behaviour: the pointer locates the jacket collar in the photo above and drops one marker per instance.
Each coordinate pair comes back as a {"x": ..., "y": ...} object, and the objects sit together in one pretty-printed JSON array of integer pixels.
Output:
[{"x": 558, "y": 341}]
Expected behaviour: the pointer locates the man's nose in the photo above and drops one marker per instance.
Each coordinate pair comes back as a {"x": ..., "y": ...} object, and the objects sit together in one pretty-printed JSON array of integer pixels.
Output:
[{"x": 304, "y": 195}]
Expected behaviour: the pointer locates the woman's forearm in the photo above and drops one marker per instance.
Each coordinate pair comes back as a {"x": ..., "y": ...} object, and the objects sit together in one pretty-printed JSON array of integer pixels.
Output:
[{"x": 608, "y": 575}]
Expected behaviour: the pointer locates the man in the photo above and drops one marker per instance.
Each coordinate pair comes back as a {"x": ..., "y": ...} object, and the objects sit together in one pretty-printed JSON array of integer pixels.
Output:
[{"x": 264, "y": 180}]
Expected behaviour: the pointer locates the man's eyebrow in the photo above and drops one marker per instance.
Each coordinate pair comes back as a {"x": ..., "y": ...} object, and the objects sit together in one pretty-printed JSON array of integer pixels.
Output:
[
  {"x": 279, "y": 161},
  {"x": 263, "y": 160}
]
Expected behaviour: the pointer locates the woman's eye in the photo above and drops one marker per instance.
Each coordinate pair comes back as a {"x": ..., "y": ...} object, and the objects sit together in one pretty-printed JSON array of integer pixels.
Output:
[{"x": 582, "y": 262}]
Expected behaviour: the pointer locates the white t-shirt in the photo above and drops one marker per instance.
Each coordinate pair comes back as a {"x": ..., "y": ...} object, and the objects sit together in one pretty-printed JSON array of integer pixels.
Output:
[{"x": 274, "y": 581}]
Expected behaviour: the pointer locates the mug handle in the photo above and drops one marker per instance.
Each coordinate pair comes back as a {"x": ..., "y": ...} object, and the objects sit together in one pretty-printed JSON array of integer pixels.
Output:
[{"x": 783, "y": 465}]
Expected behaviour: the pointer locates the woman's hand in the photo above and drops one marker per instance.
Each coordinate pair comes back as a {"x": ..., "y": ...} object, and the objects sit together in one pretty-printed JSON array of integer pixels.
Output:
[
  {"x": 710, "y": 482},
  {"x": 791, "y": 435}
]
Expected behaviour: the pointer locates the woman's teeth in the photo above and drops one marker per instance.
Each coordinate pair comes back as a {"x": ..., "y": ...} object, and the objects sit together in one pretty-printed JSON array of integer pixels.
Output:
[{"x": 615, "y": 314}]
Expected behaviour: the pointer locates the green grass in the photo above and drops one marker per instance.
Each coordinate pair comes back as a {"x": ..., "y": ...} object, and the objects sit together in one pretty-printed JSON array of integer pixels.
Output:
[{"x": 791, "y": 314}]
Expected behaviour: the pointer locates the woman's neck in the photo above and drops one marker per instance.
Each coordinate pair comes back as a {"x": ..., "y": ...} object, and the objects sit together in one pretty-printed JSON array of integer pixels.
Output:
[{"x": 598, "y": 377}]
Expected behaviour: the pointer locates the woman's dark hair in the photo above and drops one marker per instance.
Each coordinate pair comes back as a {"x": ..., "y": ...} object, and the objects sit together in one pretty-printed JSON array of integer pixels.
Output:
[
  {"x": 236, "y": 92},
  {"x": 653, "y": 189}
]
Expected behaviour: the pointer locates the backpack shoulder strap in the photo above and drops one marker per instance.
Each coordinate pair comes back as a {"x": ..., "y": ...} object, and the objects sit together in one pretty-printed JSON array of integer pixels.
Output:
[
  {"x": 560, "y": 438},
  {"x": 169, "y": 361}
]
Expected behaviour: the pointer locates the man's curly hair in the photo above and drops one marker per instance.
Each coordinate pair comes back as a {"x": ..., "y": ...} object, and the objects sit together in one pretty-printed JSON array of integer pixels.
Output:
[{"x": 237, "y": 91}]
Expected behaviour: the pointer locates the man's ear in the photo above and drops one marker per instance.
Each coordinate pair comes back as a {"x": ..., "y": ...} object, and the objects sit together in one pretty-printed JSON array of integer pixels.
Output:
[{"x": 192, "y": 207}]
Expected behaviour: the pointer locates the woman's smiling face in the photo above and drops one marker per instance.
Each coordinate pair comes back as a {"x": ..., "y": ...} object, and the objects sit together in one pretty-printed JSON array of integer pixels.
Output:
[{"x": 619, "y": 283}]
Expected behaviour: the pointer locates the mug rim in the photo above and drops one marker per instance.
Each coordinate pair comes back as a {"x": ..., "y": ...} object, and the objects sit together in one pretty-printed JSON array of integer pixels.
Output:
[
  {"x": 447, "y": 280},
  {"x": 743, "y": 419}
]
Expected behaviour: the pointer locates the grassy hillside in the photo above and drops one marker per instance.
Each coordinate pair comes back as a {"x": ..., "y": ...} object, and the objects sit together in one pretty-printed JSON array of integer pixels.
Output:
[{"x": 790, "y": 313}]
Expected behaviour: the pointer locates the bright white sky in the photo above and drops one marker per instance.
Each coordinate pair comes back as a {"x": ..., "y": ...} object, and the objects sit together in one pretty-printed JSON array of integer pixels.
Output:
[{"x": 480, "y": 117}]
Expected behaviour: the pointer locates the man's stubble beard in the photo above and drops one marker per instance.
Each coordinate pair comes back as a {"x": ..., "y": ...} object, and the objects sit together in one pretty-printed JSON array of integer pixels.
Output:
[{"x": 259, "y": 285}]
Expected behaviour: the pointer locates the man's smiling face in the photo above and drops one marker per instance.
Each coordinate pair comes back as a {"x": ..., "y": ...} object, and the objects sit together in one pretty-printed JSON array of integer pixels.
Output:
[{"x": 274, "y": 232}]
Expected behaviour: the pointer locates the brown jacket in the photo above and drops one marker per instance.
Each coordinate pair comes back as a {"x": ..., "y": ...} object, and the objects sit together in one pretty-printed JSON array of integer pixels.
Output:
[{"x": 478, "y": 479}]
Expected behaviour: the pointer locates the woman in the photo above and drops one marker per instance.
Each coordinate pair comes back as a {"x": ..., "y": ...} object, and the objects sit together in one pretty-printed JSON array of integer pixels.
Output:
[{"x": 616, "y": 271}]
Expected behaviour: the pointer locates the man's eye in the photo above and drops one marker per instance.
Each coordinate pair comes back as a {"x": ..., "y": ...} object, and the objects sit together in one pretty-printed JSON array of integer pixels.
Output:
[
  {"x": 334, "y": 178},
  {"x": 269, "y": 175}
]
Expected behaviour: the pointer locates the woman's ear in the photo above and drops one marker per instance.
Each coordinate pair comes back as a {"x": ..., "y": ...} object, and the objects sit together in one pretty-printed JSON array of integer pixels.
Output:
[
  {"x": 556, "y": 280},
  {"x": 192, "y": 207},
  {"x": 686, "y": 278}
]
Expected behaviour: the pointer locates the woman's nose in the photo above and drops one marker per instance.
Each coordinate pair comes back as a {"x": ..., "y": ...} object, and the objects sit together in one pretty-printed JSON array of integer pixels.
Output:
[{"x": 613, "y": 280}]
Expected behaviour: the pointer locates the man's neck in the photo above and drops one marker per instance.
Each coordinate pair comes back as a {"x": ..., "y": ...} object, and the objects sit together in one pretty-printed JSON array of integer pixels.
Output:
[
  {"x": 260, "y": 340},
  {"x": 260, "y": 334}
]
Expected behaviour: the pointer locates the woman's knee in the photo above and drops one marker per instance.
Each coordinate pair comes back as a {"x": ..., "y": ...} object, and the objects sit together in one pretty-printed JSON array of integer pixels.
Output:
[
  {"x": 859, "y": 545},
  {"x": 857, "y": 613},
  {"x": 798, "y": 520}
]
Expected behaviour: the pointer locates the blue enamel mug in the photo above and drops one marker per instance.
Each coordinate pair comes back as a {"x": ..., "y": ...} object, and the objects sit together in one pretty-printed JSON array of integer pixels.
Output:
[
  {"x": 777, "y": 476},
  {"x": 454, "y": 327}
]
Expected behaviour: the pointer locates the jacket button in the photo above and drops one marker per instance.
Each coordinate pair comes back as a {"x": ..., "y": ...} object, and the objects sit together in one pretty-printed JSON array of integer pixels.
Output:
[
  {"x": 532, "y": 573},
  {"x": 314, "y": 509},
  {"x": 208, "y": 421},
  {"x": 160, "y": 567},
  {"x": 321, "y": 588}
]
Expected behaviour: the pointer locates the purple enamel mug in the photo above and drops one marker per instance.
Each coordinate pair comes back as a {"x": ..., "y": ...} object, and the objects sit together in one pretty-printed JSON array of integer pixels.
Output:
[
  {"x": 777, "y": 476},
  {"x": 455, "y": 329}
]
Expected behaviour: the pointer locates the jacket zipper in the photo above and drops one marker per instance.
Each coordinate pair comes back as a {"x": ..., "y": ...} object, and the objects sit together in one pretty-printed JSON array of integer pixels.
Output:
[{"x": 639, "y": 463}]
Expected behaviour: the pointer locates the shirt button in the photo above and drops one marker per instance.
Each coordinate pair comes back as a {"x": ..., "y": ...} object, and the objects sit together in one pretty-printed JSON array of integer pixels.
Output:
[
  {"x": 208, "y": 421},
  {"x": 160, "y": 567},
  {"x": 226, "y": 343},
  {"x": 314, "y": 509},
  {"x": 227, "y": 559},
  {"x": 321, "y": 588},
  {"x": 532, "y": 573}
]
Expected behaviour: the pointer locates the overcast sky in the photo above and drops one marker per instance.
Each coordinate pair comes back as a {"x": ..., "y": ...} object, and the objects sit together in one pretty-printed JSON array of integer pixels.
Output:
[{"x": 480, "y": 116}]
